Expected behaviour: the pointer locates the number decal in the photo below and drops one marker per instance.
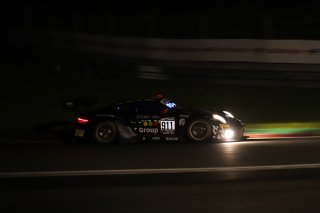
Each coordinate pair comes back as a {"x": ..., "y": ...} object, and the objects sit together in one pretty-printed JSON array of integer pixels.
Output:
[{"x": 167, "y": 125}]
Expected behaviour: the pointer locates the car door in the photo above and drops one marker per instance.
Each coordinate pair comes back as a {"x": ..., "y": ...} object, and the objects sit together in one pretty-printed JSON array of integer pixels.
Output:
[
  {"x": 147, "y": 119},
  {"x": 158, "y": 121}
]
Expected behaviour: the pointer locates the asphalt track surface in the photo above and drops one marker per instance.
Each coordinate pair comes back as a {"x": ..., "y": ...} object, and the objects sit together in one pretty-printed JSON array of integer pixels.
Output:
[{"x": 280, "y": 175}]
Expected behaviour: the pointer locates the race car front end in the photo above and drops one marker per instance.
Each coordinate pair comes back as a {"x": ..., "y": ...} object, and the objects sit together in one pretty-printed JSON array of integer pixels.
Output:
[
  {"x": 231, "y": 129},
  {"x": 232, "y": 133}
]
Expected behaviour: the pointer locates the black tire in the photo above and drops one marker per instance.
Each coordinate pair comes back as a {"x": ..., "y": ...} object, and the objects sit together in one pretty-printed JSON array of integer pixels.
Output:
[
  {"x": 199, "y": 131},
  {"x": 105, "y": 132}
]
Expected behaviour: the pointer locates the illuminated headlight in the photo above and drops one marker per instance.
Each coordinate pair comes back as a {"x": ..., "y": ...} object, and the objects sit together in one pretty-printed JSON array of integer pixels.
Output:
[
  {"x": 228, "y": 134},
  {"x": 228, "y": 114},
  {"x": 219, "y": 118}
]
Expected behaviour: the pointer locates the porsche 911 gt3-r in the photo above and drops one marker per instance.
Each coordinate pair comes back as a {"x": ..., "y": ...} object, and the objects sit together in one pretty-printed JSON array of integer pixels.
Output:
[{"x": 155, "y": 119}]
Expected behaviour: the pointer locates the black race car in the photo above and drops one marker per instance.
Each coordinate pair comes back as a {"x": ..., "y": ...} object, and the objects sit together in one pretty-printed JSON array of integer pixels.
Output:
[{"x": 155, "y": 119}]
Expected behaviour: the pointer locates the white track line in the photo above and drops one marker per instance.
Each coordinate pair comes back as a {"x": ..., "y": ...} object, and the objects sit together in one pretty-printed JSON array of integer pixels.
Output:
[{"x": 158, "y": 171}]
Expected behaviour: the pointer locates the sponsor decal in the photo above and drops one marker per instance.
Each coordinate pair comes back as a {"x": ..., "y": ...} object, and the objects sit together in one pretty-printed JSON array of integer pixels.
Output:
[
  {"x": 184, "y": 116},
  {"x": 147, "y": 117},
  {"x": 224, "y": 125},
  {"x": 79, "y": 133},
  {"x": 149, "y": 123},
  {"x": 182, "y": 122},
  {"x": 167, "y": 125},
  {"x": 148, "y": 130},
  {"x": 155, "y": 138},
  {"x": 215, "y": 129},
  {"x": 171, "y": 138}
]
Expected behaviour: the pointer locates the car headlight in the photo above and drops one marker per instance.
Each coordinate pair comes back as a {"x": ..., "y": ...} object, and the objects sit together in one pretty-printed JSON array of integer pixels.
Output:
[
  {"x": 228, "y": 114},
  {"x": 228, "y": 134},
  {"x": 219, "y": 118}
]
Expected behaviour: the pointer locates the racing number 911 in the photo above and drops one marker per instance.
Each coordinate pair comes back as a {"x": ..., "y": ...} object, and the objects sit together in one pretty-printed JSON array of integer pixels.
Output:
[
  {"x": 167, "y": 125},
  {"x": 153, "y": 119}
]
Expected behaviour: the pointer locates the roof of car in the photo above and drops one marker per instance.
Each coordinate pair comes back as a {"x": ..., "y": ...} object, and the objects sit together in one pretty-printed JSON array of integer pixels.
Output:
[
  {"x": 143, "y": 98},
  {"x": 137, "y": 99}
]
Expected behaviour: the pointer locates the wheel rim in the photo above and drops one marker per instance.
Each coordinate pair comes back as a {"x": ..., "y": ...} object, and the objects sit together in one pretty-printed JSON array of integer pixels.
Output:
[
  {"x": 105, "y": 133},
  {"x": 199, "y": 131}
]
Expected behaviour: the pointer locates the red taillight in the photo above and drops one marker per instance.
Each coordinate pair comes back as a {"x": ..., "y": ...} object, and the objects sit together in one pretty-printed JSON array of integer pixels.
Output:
[{"x": 82, "y": 120}]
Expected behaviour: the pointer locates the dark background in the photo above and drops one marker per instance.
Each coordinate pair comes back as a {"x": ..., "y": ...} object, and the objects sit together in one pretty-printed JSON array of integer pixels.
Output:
[{"x": 42, "y": 64}]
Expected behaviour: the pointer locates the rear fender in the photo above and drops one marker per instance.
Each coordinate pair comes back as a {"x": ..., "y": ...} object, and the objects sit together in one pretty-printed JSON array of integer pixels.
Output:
[{"x": 126, "y": 133}]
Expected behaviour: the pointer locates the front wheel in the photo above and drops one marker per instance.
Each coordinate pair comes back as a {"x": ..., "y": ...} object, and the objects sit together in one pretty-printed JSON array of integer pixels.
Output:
[
  {"x": 105, "y": 132},
  {"x": 199, "y": 131}
]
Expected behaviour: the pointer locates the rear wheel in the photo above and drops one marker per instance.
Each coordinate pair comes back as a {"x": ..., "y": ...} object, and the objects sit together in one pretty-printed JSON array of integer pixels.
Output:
[
  {"x": 199, "y": 131},
  {"x": 105, "y": 132}
]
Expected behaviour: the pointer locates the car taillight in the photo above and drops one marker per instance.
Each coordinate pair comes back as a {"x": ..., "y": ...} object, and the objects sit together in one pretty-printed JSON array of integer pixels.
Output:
[{"x": 82, "y": 120}]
